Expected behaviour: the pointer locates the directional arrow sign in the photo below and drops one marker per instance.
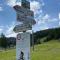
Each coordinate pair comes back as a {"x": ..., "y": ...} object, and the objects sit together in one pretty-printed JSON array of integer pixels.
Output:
[
  {"x": 21, "y": 28},
  {"x": 24, "y": 14},
  {"x": 21, "y": 10},
  {"x": 28, "y": 19}
]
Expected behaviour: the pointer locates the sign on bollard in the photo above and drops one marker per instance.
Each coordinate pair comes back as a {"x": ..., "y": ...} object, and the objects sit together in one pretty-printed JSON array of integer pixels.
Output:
[{"x": 23, "y": 46}]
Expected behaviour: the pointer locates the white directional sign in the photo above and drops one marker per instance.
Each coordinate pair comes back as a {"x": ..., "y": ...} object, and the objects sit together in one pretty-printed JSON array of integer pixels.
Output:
[
  {"x": 24, "y": 15},
  {"x": 22, "y": 10},
  {"x": 28, "y": 19},
  {"x": 23, "y": 46},
  {"x": 21, "y": 28}
]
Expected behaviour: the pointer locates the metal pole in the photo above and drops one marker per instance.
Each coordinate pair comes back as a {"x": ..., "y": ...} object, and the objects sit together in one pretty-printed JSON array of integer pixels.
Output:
[{"x": 32, "y": 40}]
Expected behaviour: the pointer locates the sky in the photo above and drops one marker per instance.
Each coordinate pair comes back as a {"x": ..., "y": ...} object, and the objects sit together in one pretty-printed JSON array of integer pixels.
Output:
[{"x": 46, "y": 15}]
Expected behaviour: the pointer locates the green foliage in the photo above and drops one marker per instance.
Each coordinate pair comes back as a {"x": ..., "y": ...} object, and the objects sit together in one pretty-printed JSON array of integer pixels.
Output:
[{"x": 3, "y": 41}]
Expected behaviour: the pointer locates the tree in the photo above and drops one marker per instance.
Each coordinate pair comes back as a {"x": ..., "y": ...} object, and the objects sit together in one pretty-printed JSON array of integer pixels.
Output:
[{"x": 3, "y": 41}]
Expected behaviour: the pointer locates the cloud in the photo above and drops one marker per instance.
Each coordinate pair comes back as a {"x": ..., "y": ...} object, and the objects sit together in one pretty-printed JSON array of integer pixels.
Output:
[
  {"x": 13, "y": 2},
  {"x": 39, "y": 27},
  {"x": 1, "y": 9},
  {"x": 59, "y": 15},
  {"x": 46, "y": 19},
  {"x": 41, "y": 18},
  {"x": 44, "y": 27},
  {"x": 11, "y": 35},
  {"x": 1, "y": 29},
  {"x": 45, "y": 22},
  {"x": 59, "y": 19},
  {"x": 35, "y": 5},
  {"x": 59, "y": 24},
  {"x": 9, "y": 31}
]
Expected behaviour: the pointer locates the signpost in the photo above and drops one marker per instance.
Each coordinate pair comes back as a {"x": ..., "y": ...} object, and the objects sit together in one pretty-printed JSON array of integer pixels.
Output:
[
  {"x": 23, "y": 46},
  {"x": 26, "y": 16}
]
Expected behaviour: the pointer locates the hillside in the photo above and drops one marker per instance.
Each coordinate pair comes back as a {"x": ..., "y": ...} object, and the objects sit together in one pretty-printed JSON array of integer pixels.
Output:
[
  {"x": 46, "y": 51},
  {"x": 47, "y": 35}
]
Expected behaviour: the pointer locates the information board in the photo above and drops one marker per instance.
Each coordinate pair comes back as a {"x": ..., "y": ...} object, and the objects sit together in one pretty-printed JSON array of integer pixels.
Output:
[{"x": 23, "y": 46}]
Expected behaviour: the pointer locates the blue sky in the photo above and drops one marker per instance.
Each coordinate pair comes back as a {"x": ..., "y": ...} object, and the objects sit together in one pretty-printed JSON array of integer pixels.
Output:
[{"x": 46, "y": 12}]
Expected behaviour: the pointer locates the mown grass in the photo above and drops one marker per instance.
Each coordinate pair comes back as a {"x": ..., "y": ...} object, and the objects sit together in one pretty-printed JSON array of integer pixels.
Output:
[
  {"x": 46, "y": 51},
  {"x": 8, "y": 55}
]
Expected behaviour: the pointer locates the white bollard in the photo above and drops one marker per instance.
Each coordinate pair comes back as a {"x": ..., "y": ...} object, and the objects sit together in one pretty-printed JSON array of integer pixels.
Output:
[{"x": 23, "y": 46}]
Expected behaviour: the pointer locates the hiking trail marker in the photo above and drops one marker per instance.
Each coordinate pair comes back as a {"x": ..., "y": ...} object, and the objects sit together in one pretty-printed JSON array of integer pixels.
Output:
[{"x": 26, "y": 16}]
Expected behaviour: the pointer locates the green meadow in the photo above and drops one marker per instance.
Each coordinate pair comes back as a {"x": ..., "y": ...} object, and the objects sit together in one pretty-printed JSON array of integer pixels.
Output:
[{"x": 45, "y": 51}]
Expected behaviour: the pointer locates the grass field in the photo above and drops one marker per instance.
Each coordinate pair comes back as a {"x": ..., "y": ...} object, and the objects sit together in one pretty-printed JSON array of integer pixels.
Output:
[{"x": 46, "y": 51}]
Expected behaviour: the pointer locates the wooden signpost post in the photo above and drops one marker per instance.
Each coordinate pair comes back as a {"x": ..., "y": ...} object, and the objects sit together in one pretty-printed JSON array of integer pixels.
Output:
[{"x": 26, "y": 16}]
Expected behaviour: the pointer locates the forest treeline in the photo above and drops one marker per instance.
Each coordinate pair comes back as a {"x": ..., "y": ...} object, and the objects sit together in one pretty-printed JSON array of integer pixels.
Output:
[
  {"x": 7, "y": 42},
  {"x": 46, "y": 35},
  {"x": 39, "y": 37}
]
